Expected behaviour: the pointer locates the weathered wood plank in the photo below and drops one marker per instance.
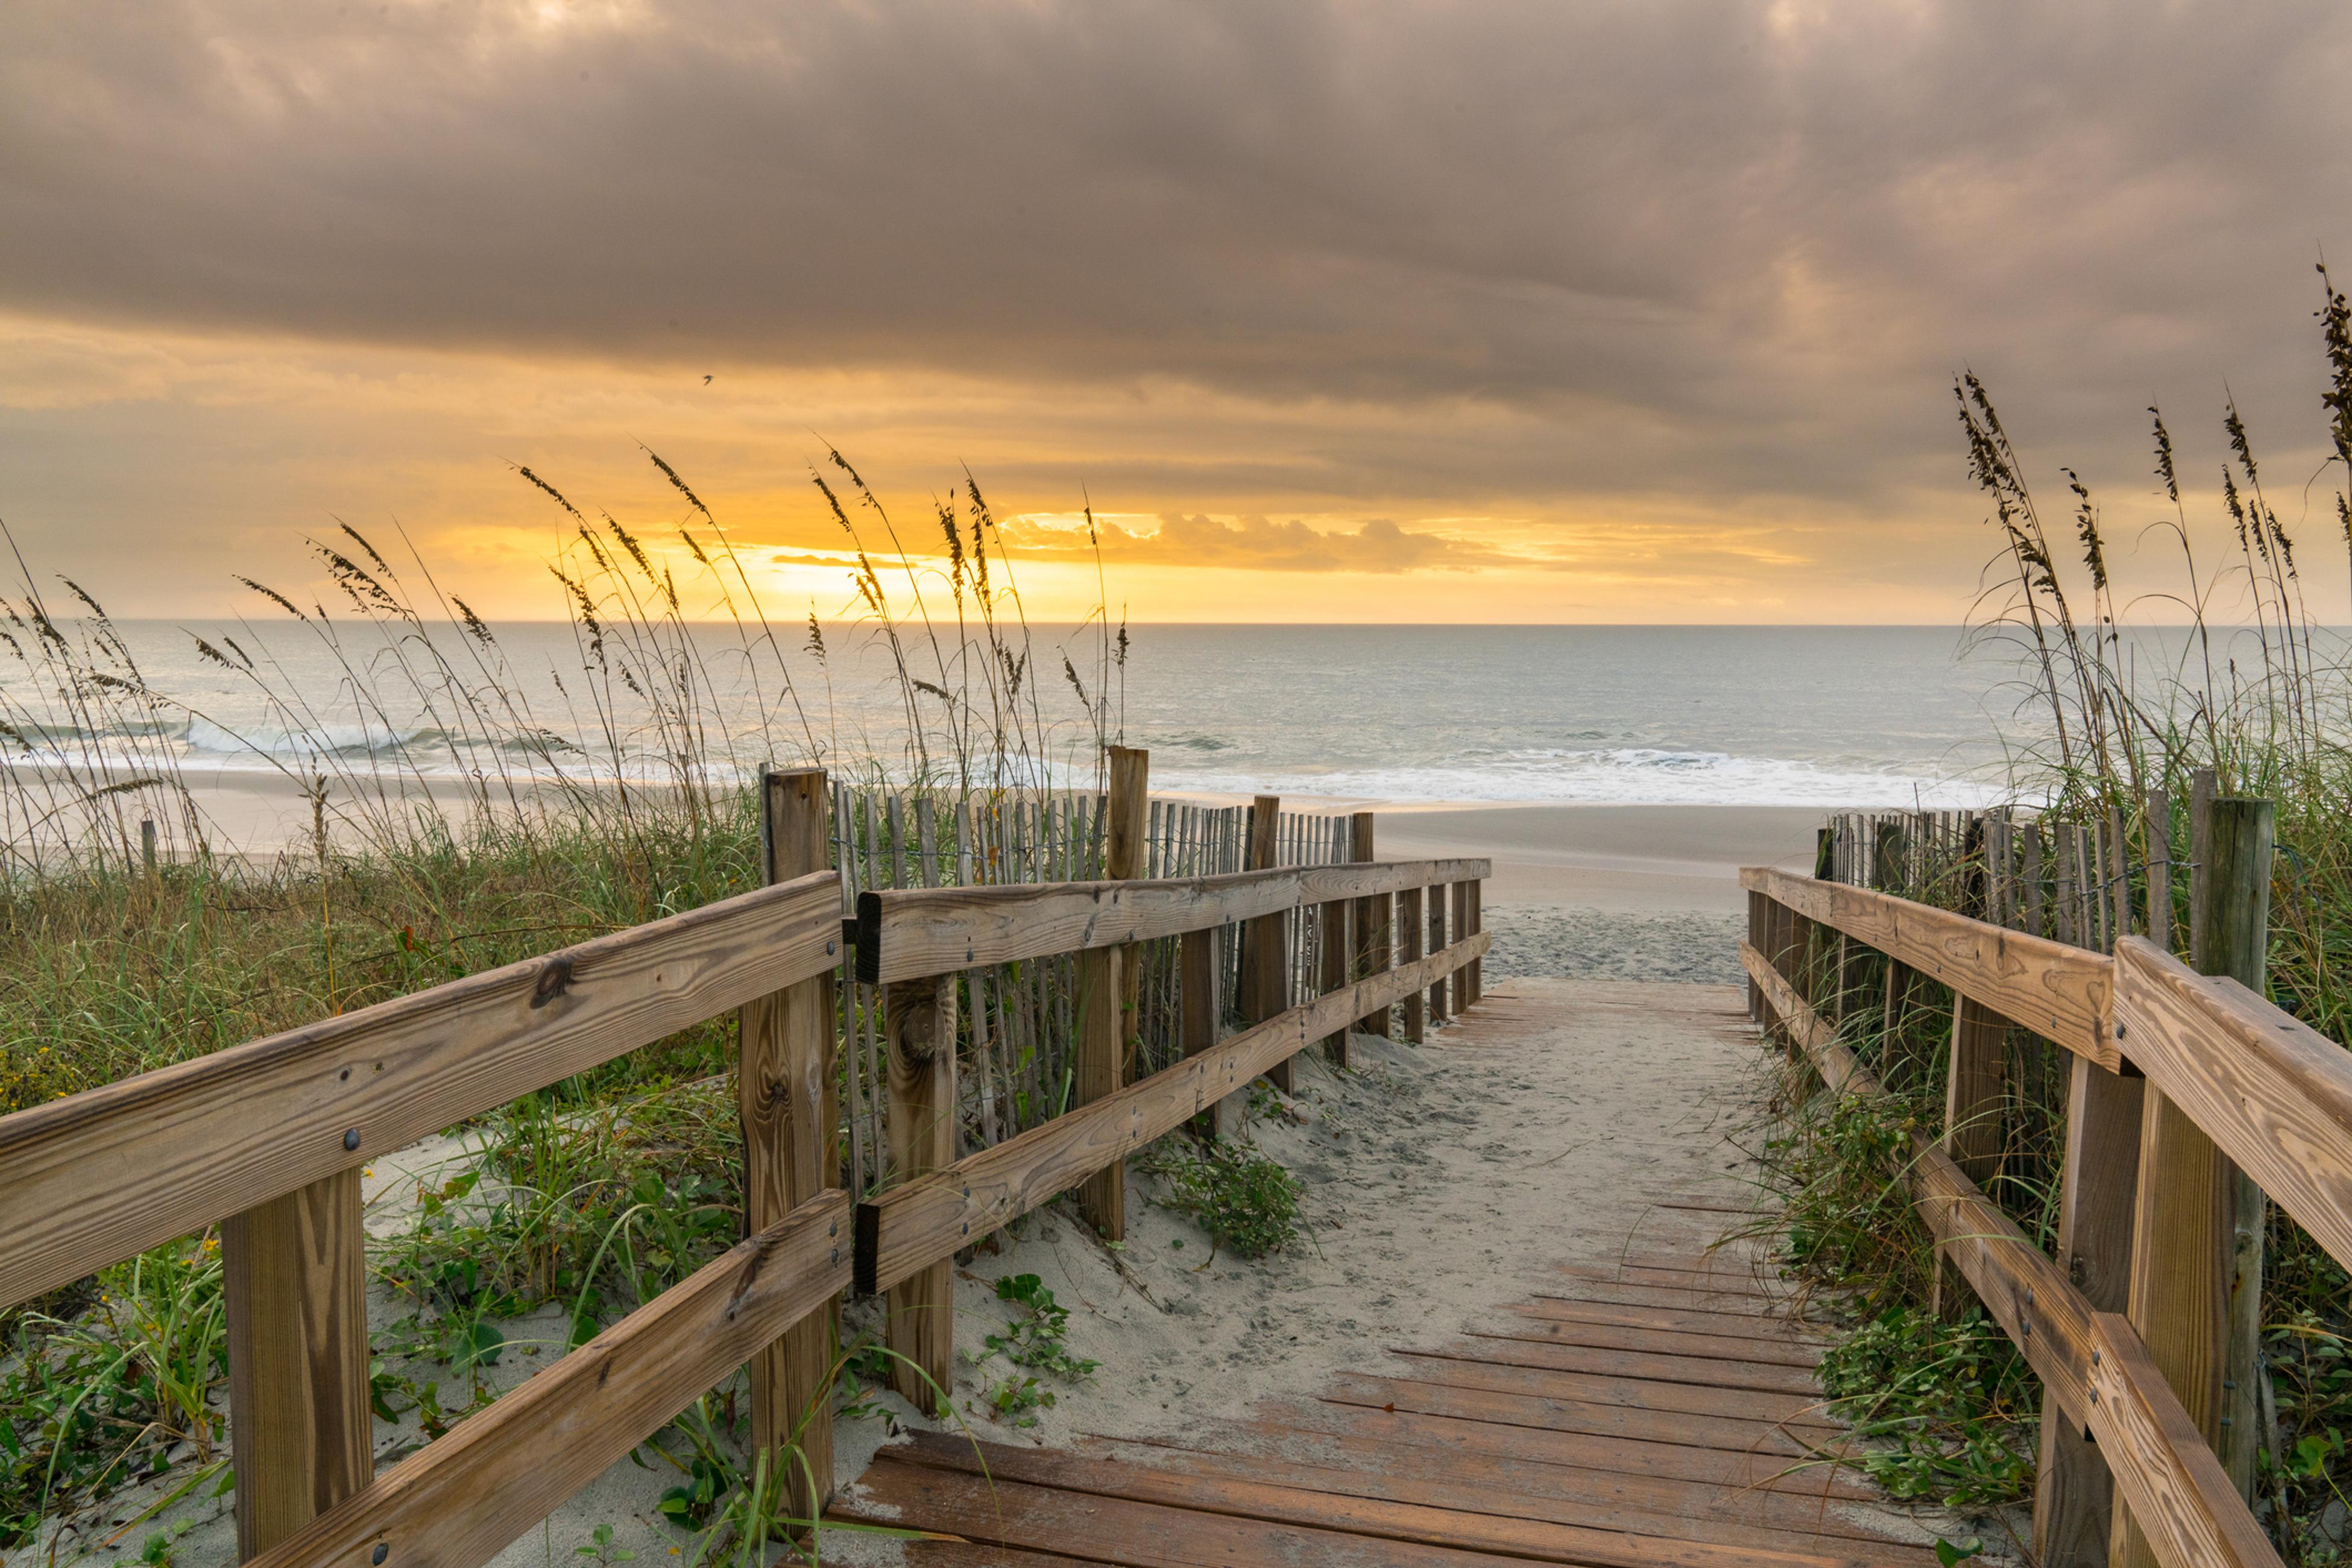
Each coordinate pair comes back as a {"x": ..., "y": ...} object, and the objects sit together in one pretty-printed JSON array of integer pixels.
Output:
[
  {"x": 1411, "y": 931},
  {"x": 919, "y": 1020},
  {"x": 1266, "y": 958},
  {"x": 902, "y": 1230},
  {"x": 1499, "y": 1430},
  {"x": 463, "y": 1499},
  {"x": 1438, "y": 1515},
  {"x": 2061, "y": 992},
  {"x": 1643, "y": 1360},
  {"x": 1180, "y": 1501},
  {"x": 1101, "y": 1053},
  {"x": 786, "y": 1098},
  {"x": 93, "y": 1178},
  {"x": 2274, "y": 1093},
  {"x": 2178, "y": 1493},
  {"x": 2073, "y": 1494},
  {"x": 904, "y": 932},
  {"x": 2153, "y": 1447},
  {"x": 294, "y": 1281}
]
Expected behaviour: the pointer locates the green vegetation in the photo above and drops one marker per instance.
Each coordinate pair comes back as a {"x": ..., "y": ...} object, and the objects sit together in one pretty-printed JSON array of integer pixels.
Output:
[
  {"x": 2253, "y": 690},
  {"x": 1242, "y": 1198},
  {"x": 543, "y": 827},
  {"x": 1032, "y": 1343}
]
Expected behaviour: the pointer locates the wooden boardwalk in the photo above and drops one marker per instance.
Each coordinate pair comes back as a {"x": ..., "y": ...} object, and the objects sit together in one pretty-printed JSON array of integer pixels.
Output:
[{"x": 1652, "y": 1405}]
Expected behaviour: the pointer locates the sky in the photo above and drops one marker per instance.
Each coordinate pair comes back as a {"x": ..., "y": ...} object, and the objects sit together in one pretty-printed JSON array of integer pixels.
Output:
[{"x": 1362, "y": 311}]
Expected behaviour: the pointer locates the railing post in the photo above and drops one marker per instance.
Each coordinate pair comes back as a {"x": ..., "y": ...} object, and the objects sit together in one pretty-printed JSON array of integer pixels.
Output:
[
  {"x": 1266, "y": 970},
  {"x": 1204, "y": 1012},
  {"x": 294, "y": 1277},
  {"x": 2197, "y": 1222},
  {"x": 1459, "y": 986},
  {"x": 784, "y": 1091},
  {"x": 2158, "y": 838},
  {"x": 1126, "y": 843},
  {"x": 2073, "y": 1493},
  {"x": 1411, "y": 930},
  {"x": 1335, "y": 941},
  {"x": 1373, "y": 932},
  {"x": 919, "y": 1020},
  {"x": 1436, "y": 929},
  {"x": 1759, "y": 912},
  {"x": 1975, "y": 1085},
  {"x": 1477, "y": 969},
  {"x": 1888, "y": 875},
  {"x": 1102, "y": 1049}
]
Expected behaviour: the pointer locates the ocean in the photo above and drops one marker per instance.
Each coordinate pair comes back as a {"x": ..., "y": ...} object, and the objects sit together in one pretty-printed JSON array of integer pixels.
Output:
[{"x": 1850, "y": 716}]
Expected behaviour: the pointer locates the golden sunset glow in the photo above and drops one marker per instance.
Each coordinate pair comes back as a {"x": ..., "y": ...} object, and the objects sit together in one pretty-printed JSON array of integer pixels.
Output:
[{"x": 1631, "y": 333}]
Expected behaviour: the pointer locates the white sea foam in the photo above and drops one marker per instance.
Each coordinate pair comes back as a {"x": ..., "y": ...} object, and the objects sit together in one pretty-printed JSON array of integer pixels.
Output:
[{"x": 1614, "y": 776}]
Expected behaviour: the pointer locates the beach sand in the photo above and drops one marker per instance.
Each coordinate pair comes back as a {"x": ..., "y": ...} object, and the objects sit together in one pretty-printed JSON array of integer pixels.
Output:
[{"x": 1612, "y": 893}]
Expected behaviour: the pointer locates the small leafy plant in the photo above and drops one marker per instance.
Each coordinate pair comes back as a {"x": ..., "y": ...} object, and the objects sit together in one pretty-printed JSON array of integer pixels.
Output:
[
  {"x": 1243, "y": 1199},
  {"x": 1032, "y": 1342}
]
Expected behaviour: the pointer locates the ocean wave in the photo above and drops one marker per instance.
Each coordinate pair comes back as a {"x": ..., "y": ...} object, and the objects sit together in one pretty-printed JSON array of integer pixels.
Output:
[{"x": 1648, "y": 776}]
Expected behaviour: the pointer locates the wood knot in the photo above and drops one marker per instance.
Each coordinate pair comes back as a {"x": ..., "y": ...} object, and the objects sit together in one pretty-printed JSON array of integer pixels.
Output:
[
  {"x": 554, "y": 980},
  {"x": 919, "y": 1036}
]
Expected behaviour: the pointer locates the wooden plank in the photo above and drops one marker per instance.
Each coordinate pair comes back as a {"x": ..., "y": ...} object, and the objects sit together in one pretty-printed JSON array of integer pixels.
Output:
[
  {"x": 1101, "y": 1053},
  {"x": 461, "y": 1499},
  {"x": 2049, "y": 1321},
  {"x": 1772, "y": 1350},
  {"x": 1411, "y": 928},
  {"x": 1633, "y": 1423},
  {"x": 1334, "y": 940},
  {"x": 2184, "y": 1503},
  {"x": 2060, "y": 992},
  {"x": 1202, "y": 1013},
  {"x": 1433, "y": 937},
  {"x": 90, "y": 1179},
  {"x": 1794, "y": 1412},
  {"x": 2274, "y": 1094},
  {"x": 785, "y": 1095},
  {"x": 1556, "y": 1307},
  {"x": 2196, "y": 1278},
  {"x": 1647, "y": 1363},
  {"x": 919, "y": 1020},
  {"x": 1374, "y": 945},
  {"x": 1458, "y": 990},
  {"x": 1179, "y": 1501},
  {"x": 1126, "y": 857},
  {"x": 1464, "y": 1433},
  {"x": 1505, "y": 1476},
  {"x": 294, "y": 1281},
  {"x": 2072, "y": 1493},
  {"x": 1975, "y": 1088},
  {"x": 1475, "y": 977},
  {"x": 904, "y": 1229},
  {"x": 1265, "y": 960},
  {"x": 918, "y": 931}
]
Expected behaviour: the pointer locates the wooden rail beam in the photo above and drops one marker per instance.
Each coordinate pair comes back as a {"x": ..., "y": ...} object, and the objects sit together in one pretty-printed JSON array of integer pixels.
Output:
[
  {"x": 2094, "y": 1365},
  {"x": 96, "y": 1177},
  {"x": 901, "y": 1231},
  {"x": 2063, "y": 993},
  {"x": 906, "y": 932},
  {"x": 463, "y": 1499}
]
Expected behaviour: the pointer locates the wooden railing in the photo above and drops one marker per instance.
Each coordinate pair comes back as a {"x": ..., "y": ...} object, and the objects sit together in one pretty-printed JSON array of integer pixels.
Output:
[
  {"x": 268, "y": 1138},
  {"x": 2178, "y": 1077}
]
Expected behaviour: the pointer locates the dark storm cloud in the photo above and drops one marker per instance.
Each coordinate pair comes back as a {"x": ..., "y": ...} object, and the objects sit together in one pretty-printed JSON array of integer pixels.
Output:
[{"x": 1700, "y": 246}]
